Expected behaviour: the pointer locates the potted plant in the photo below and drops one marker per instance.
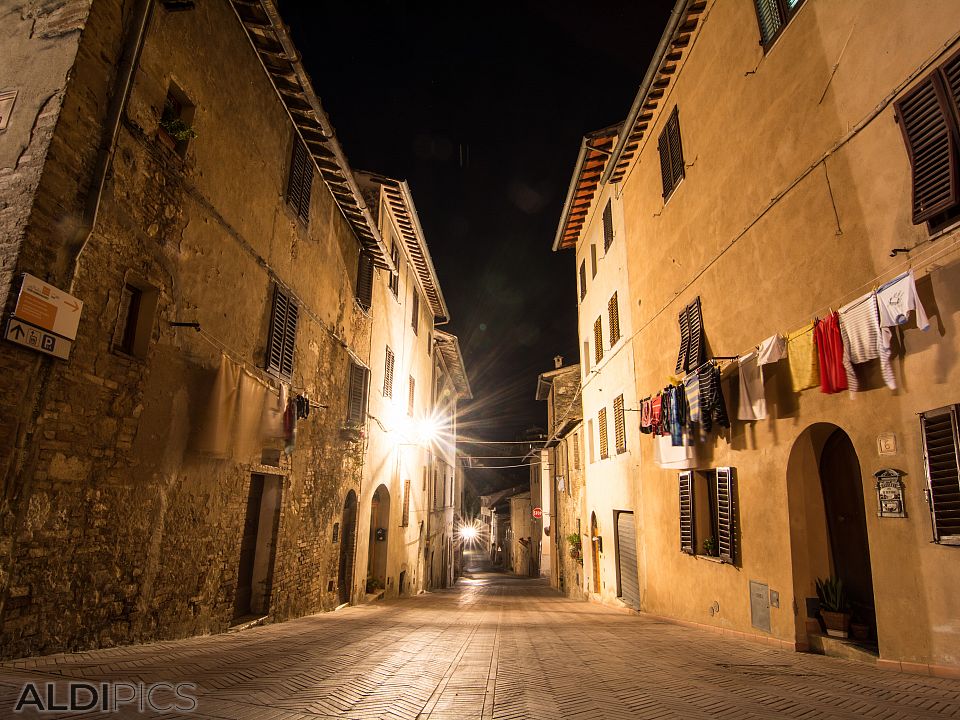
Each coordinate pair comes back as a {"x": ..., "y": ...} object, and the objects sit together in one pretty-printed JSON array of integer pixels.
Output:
[
  {"x": 173, "y": 129},
  {"x": 834, "y": 607},
  {"x": 576, "y": 547},
  {"x": 710, "y": 547}
]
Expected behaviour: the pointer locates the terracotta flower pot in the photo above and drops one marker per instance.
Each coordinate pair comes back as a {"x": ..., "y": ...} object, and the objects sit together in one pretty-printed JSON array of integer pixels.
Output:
[{"x": 838, "y": 624}]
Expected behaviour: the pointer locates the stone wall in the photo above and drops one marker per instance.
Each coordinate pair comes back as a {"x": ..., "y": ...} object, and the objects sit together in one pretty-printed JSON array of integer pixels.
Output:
[{"x": 115, "y": 528}]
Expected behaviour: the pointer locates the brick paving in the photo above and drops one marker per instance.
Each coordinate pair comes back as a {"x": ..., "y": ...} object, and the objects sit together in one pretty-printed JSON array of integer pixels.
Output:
[{"x": 493, "y": 647}]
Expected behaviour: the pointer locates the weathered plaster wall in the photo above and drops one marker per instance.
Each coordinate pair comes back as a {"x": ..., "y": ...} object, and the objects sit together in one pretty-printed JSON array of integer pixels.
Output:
[
  {"x": 751, "y": 125},
  {"x": 120, "y": 531}
]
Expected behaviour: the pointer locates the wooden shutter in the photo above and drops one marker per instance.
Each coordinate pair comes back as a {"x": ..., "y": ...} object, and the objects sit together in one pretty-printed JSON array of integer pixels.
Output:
[
  {"x": 692, "y": 346},
  {"x": 926, "y": 124},
  {"x": 687, "y": 540},
  {"x": 576, "y": 451},
  {"x": 941, "y": 454},
  {"x": 415, "y": 314},
  {"x": 671, "y": 153},
  {"x": 602, "y": 420},
  {"x": 590, "y": 454},
  {"x": 395, "y": 276},
  {"x": 593, "y": 260},
  {"x": 406, "y": 503},
  {"x": 726, "y": 507},
  {"x": 357, "y": 394},
  {"x": 613, "y": 310},
  {"x": 365, "y": 281},
  {"x": 410, "y": 396},
  {"x": 388, "y": 374},
  {"x": 597, "y": 341},
  {"x": 619, "y": 426},
  {"x": 769, "y": 19},
  {"x": 663, "y": 147},
  {"x": 607, "y": 227},
  {"x": 283, "y": 334},
  {"x": 583, "y": 279},
  {"x": 300, "y": 182}
]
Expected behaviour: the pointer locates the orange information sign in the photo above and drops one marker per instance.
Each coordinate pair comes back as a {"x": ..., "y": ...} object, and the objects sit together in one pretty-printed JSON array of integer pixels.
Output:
[{"x": 48, "y": 307}]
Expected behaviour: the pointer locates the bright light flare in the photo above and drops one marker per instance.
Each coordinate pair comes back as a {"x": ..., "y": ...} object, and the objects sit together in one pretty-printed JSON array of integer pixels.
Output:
[{"x": 468, "y": 533}]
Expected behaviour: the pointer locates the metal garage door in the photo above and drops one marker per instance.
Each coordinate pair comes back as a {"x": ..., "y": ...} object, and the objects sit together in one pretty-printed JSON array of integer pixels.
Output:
[{"x": 627, "y": 559}]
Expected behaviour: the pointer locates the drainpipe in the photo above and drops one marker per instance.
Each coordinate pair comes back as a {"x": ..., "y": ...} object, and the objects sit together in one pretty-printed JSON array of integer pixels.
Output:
[
  {"x": 130, "y": 59},
  {"x": 672, "y": 24}
]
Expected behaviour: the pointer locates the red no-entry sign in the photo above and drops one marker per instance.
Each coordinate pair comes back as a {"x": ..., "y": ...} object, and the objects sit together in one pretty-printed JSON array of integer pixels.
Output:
[{"x": 537, "y": 513}]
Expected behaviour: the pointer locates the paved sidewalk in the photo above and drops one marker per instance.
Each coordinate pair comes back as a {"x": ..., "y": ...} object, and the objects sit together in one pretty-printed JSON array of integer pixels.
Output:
[{"x": 493, "y": 647}]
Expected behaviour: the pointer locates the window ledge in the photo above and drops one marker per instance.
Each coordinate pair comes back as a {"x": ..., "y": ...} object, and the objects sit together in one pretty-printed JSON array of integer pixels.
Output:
[{"x": 711, "y": 558}]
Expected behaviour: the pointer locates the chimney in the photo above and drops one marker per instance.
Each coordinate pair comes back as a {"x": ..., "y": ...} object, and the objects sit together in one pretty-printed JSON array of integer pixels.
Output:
[{"x": 558, "y": 361}]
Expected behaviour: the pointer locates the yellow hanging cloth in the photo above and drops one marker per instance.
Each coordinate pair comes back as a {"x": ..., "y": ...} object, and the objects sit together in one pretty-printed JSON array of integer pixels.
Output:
[{"x": 802, "y": 356}]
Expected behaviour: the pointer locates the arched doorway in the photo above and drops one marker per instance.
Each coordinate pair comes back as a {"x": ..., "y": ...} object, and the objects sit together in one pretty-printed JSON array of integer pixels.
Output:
[
  {"x": 847, "y": 523},
  {"x": 828, "y": 527},
  {"x": 348, "y": 541},
  {"x": 379, "y": 540},
  {"x": 595, "y": 551}
]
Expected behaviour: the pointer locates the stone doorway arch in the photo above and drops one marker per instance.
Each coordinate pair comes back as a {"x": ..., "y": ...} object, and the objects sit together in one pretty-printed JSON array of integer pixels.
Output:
[{"x": 378, "y": 547}]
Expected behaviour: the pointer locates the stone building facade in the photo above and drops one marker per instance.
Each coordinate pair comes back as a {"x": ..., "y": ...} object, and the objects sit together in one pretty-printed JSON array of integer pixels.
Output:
[
  {"x": 768, "y": 176},
  {"x": 562, "y": 461},
  {"x": 222, "y": 250}
]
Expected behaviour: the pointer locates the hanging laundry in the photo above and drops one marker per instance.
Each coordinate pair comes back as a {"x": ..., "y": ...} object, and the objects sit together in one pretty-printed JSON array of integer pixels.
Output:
[
  {"x": 273, "y": 411},
  {"x": 897, "y": 298},
  {"x": 826, "y": 335},
  {"x": 713, "y": 409},
  {"x": 656, "y": 411},
  {"x": 678, "y": 414},
  {"x": 691, "y": 387},
  {"x": 646, "y": 416},
  {"x": 675, "y": 457},
  {"x": 771, "y": 350},
  {"x": 252, "y": 396},
  {"x": 216, "y": 429},
  {"x": 290, "y": 416},
  {"x": 802, "y": 355},
  {"x": 753, "y": 403},
  {"x": 860, "y": 330}
]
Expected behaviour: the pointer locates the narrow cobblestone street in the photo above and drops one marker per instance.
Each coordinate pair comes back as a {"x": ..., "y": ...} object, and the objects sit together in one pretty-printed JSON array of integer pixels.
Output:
[{"x": 495, "y": 646}]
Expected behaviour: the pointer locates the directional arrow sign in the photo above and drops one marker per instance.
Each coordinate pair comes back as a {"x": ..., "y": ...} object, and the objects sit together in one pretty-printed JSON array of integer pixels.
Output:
[
  {"x": 48, "y": 307},
  {"x": 36, "y": 339}
]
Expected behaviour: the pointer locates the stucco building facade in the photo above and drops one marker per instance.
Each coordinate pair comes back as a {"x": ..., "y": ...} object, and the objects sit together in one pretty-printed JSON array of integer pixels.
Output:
[{"x": 770, "y": 172}]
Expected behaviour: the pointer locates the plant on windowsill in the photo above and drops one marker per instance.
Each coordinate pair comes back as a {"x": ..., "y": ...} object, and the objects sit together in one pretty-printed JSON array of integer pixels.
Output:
[
  {"x": 834, "y": 606},
  {"x": 373, "y": 585},
  {"x": 710, "y": 547},
  {"x": 173, "y": 129},
  {"x": 576, "y": 547}
]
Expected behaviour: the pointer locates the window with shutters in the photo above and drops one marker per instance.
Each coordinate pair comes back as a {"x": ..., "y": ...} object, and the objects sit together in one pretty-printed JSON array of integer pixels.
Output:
[
  {"x": 336, "y": 532},
  {"x": 586, "y": 358},
  {"x": 365, "y": 281},
  {"x": 613, "y": 314},
  {"x": 410, "y": 396},
  {"x": 388, "y": 373},
  {"x": 405, "y": 518},
  {"x": 138, "y": 305},
  {"x": 300, "y": 182},
  {"x": 576, "y": 450},
  {"x": 415, "y": 311},
  {"x": 597, "y": 341},
  {"x": 357, "y": 394},
  {"x": 671, "y": 154},
  {"x": 607, "y": 227},
  {"x": 283, "y": 334},
  {"x": 929, "y": 119},
  {"x": 395, "y": 276},
  {"x": 593, "y": 260},
  {"x": 583, "y": 279},
  {"x": 708, "y": 511},
  {"x": 941, "y": 459},
  {"x": 619, "y": 425},
  {"x": 773, "y": 16},
  {"x": 602, "y": 424}
]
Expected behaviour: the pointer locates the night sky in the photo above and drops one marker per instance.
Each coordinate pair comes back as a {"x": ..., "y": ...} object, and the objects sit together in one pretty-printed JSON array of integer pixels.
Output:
[{"x": 482, "y": 112}]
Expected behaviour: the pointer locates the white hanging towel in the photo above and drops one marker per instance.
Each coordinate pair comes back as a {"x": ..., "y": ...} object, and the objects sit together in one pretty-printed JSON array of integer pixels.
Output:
[
  {"x": 753, "y": 404},
  {"x": 771, "y": 350},
  {"x": 860, "y": 330}
]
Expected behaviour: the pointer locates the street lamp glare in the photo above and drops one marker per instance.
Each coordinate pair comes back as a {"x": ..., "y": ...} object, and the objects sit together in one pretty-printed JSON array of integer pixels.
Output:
[{"x": 468, "y": 532}]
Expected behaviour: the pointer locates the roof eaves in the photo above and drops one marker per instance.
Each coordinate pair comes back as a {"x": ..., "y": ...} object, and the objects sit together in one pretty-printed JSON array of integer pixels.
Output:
[
  {"x": 271, "y": 41},
  {"x": 449, "y": 346}
]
